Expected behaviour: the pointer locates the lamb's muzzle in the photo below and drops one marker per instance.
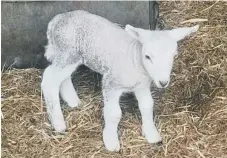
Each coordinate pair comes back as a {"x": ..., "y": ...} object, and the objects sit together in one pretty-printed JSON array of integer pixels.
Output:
[{"x": 129, "y": 60}]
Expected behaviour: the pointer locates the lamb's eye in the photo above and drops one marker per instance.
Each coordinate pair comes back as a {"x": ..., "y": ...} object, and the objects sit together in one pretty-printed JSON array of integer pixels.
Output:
[{"x": 147, "y": 57}]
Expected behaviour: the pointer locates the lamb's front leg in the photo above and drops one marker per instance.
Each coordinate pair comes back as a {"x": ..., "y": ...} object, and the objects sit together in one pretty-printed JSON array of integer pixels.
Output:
[
  {"x": 146, "y": 104},
  {"x": 112, "y": 116}
]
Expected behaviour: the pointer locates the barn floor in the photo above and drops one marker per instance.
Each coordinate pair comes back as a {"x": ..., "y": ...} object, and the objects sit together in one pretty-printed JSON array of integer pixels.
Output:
[{"x": 191, "y": 114}]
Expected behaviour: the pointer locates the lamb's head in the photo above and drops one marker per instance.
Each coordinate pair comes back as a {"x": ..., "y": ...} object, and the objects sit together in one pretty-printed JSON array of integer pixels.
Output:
[{"x": 158, "y": 50}]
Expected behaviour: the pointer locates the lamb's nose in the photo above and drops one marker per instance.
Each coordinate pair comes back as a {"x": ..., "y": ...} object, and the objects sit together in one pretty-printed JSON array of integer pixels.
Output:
[{"x": 163, "y": 83}]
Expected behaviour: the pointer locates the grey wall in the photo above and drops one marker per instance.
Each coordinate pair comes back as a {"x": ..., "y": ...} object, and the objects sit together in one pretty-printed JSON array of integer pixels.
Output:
[{"x": 24, "y": 25}]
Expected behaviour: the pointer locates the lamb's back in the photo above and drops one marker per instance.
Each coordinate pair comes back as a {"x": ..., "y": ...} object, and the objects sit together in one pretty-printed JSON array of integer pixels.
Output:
[{"x": 100, "y": 42}]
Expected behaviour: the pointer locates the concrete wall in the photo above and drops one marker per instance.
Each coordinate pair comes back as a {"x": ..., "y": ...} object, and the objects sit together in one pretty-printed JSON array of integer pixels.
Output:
[{"x": 24, "y": 25}]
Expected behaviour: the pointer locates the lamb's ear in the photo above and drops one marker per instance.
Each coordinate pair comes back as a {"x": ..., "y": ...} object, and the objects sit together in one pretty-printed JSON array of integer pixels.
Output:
[
  {"x": 180, "y": 33},
  {"x": 134, "y": 32}
]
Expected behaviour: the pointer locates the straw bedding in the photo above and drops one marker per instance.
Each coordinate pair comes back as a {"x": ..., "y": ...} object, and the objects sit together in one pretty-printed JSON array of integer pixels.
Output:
[{"x": 191, "y": 114}]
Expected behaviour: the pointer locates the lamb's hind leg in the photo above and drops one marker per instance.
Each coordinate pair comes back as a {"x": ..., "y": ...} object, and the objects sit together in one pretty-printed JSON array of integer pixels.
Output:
[
  {"x": 52, "y": 79},
  {"x": 68, "y": 93}
]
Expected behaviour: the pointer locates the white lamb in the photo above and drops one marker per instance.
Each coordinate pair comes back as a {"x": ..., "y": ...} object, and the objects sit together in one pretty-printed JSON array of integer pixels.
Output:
[{"x": 129, "y": 60}]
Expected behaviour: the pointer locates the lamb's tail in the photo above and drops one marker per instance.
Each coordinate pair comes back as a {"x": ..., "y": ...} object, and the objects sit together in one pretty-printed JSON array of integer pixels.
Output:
[
  {"x": 49, "y": 48},
  {"x": 51, "y": 27}
]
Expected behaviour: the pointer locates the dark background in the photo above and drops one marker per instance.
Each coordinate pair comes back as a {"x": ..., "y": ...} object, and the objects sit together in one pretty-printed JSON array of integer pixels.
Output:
[{"x": 24, "y": 25}]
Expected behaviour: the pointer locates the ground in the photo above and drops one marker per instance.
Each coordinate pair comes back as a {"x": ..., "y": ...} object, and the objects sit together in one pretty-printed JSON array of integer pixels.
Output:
[{"x": 191, "y": 114}]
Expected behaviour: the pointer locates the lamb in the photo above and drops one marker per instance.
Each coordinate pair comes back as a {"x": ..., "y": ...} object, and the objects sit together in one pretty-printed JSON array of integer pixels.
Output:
[{"x": 129, "y": 59}]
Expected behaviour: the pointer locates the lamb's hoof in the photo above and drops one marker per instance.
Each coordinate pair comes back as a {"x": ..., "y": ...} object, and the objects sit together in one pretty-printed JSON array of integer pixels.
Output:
[
  {"x": 159, "y": 143},
  {"x": 59, "y": 126},
  {"x": 111, "y": 141},
  {"x": 152, "y": 135},
  {"x": 74, "y": 104},
  {"x": 157, "y": 146}
]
